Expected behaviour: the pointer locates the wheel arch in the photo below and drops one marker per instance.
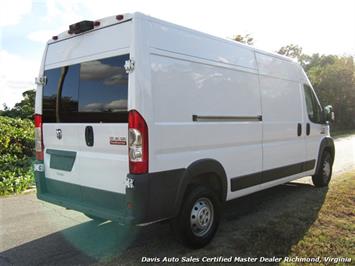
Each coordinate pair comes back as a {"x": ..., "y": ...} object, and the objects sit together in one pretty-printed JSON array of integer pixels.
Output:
[
  {"x": 203, "y": 171},
  {"x": 327, "y": 144}
]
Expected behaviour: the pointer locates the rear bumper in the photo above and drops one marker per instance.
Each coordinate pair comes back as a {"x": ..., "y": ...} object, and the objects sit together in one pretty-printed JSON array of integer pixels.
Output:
[
  {"x": 152, "y": 197},
  {"x": 95, "y": 202}
]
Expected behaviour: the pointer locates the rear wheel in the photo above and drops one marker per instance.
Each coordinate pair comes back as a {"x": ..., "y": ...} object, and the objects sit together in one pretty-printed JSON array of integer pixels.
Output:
[
  {"x": 199, "y": 217},
  {"x": 324, "y": 173}
]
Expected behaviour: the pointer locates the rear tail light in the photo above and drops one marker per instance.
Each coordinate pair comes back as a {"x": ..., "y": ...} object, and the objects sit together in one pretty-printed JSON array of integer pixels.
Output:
[
  {"x": 137, "y": 143},
  {"x": 38, "y": 137}
]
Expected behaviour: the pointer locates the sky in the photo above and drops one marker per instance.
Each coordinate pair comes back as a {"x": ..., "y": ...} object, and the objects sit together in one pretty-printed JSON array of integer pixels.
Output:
[{"x": 318, "y": 26}]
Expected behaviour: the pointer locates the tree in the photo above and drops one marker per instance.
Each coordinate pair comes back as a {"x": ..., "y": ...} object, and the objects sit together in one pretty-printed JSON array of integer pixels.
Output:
[
  {"x": 244, "y": 39},
  {"x": 23, "y": 109},
  {"x": 291, "y": 50},
  {"x": 333, "y": 78},
  {"x": 294, "y": 51}
]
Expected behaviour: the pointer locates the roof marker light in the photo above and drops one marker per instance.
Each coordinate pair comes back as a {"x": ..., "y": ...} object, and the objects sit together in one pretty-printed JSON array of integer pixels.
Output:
[
  {"x": 55, "y": 38},
  {"x": 119, "y": 17},
  {"x": 96, "y": 23}
]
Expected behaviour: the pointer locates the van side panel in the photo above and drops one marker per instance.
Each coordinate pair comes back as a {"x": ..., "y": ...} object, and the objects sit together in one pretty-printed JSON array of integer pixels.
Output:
[
  {"x": 169, "y": 37},
  {"x": 183, "y": 87},
  {"x": 282, "y": 114},
  {"x": 318, "y": 132}
]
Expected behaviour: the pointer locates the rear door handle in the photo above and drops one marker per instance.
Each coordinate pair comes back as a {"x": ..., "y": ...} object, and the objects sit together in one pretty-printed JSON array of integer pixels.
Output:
[
  {"x": 299, "y": 129},
  {"x": 89, "y": 136},
  {"x": 308, "y": 129}
]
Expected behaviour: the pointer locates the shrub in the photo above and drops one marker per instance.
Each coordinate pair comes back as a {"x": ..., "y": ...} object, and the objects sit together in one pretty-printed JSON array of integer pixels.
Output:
[{"x": 16, "y": 154}]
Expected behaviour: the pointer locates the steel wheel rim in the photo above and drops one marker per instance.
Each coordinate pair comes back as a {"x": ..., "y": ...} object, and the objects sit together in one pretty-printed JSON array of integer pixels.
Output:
[
  {"x": 201, "y": 218},
  {"x": 326, "y": 169}
]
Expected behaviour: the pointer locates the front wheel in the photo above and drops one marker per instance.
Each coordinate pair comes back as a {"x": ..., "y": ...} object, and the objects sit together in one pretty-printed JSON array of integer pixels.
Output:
[
  {"x": 324, "y": 173},
  {"x": 199, "y": 217}
]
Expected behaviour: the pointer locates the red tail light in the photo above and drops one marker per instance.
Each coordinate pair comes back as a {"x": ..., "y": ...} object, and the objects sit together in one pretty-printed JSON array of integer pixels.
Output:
[
  {"x": 137, "y": 143},
  {"x": 38, "y": 137}
]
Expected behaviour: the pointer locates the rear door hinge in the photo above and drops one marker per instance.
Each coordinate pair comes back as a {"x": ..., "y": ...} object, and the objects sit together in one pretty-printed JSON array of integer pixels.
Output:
[
  {"x": 129, "y": 66},
  {"x": 41, "y": 80}
]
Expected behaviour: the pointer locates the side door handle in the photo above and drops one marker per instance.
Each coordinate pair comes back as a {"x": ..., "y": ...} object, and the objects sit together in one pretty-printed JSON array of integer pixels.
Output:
[
  {"x": 89, "y": 136},
  {"x": 299, "y": 129},
  {"x": 308, "y": 129}
]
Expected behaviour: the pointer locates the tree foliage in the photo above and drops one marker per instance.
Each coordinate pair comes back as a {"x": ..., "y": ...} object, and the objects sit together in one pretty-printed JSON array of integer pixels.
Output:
[
  {"x": 247, "y": 39},
  {"x": 16, "y": 153},
  {"x": 24, "y": 109},
  {"x": 291, "y": 50},
  {"x": 333, "y": 79}
]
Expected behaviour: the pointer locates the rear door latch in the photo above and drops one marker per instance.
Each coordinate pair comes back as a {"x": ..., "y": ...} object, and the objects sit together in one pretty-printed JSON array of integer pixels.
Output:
[{"x": 129, "y": 66}]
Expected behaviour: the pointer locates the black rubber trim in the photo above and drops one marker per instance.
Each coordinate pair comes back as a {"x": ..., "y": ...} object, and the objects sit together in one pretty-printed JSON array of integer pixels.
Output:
[
  {"x": 246, "y": 181},
  {"x": 309, "y": 165},
  {"x": 205, "y": 167},
  {"x": 157, "y": 196},
  {"x": 153, "y": 195},
  {"x": 326, "y": 143}
]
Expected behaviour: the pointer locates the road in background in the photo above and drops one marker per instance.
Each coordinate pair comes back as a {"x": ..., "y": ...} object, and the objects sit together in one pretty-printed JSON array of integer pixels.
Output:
[{"x": 344, "y": 154}]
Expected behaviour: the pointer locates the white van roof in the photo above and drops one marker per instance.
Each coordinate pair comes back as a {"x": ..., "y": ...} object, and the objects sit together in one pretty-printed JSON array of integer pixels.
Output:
[
  {"x": 116, "y": 19},
  {"x": 101, "y": 23}
]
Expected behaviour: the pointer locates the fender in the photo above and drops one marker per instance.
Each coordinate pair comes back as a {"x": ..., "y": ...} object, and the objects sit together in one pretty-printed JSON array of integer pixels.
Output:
[
  {"x": 326, "y": 142},
  {"x": 200, "y": 168},
  {"x": 157, "y": 196}
]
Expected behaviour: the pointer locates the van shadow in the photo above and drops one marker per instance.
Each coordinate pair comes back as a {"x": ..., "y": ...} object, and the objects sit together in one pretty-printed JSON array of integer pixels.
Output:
[{"x": 265, "y": 223}]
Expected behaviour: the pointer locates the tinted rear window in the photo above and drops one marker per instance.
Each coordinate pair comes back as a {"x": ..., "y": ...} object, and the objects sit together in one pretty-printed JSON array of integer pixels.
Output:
[{"x": 94, "y": 91}]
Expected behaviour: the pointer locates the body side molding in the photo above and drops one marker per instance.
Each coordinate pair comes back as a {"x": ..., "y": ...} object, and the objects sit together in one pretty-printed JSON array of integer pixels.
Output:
[
  {"x": 200, "y": 118},
  {"x": 254, "y": 179}
]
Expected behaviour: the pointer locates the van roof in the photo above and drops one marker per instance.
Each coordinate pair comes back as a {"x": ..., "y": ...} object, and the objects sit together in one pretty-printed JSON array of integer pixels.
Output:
[
  {"x": 102, "y": 23},
  {"x": 116, "y": 19}
]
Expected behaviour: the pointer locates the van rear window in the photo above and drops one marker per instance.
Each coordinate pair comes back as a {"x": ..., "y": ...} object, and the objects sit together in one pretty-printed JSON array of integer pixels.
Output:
[{"x": 94, "y": 92}]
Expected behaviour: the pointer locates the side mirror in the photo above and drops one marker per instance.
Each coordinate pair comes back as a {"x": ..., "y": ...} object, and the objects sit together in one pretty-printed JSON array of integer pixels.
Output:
[{"x": 328, "y": 113}]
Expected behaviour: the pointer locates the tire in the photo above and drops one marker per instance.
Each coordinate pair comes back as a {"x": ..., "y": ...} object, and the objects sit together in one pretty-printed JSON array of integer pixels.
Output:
[
  {"x": 324, "y": 173},
  {"x": 199, "y": 217}
]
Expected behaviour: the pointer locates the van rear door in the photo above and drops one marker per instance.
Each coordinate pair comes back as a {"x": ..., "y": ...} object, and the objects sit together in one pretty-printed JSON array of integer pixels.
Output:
[{"x": 85, "y": 121}]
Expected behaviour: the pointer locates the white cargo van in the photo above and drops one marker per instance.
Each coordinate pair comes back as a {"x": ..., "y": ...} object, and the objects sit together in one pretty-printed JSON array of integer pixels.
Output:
[{"x": 139, "y": 120}]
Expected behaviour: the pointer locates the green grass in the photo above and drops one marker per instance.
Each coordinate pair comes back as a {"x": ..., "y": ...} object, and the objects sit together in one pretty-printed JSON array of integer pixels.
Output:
[
  {"x": 333, "y": 232},
  {"x": 298, "y": 220}
]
